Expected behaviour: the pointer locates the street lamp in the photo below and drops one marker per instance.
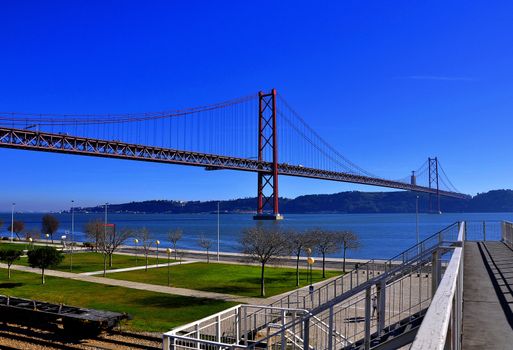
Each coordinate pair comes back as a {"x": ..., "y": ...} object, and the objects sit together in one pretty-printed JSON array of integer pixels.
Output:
[
  {"x": 310, "y": 262},
  {"x": 217, "y": 231},
  {"x": 135, "y": 243},
  {"x": 417, "y": 221},
  {"x": 12, "y": 221},
  {"x": 157, "y": 242},
  {"x": 72, "y": 235},
  {"x": 105, "y": 243},
  {"x": 31, "y": 242},
  {"x": 168, "y": 250},
  {"x": 47, "y": 235}
]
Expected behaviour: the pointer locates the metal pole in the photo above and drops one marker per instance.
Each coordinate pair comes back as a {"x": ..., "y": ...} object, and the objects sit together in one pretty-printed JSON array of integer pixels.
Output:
[
  {"x": 417, "y": 222},
  {"x": 12, "y": 222},
  {"x": 104, "y": 242},
  {"x": 217, "y": 231},
  {"x": 72, "y": 235}
]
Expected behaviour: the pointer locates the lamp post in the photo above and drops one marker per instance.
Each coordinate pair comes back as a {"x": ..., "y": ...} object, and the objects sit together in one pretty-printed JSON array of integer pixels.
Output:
[
  {"x": 105, "y": 243},
  {"x": 135, "y": 243},
  {"x": 157, "y": 242},
  {"x": 31, "y": 243},
  {"x": 12, "y": 221},
  {"x": 72, "y": 235},
  {"x": 47, "y": 236},
  {"x": 310, "y": 262},
  {"x": 417, "y": 221},
  {"x": 217, "y": 231},
  {"x": 168, "y": 250}
]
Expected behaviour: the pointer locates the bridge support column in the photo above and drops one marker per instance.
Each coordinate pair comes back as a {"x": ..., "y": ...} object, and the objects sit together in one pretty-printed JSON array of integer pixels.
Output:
[
  {"x": 267, "y": 206},
  {"x": 433, "y": 181}
]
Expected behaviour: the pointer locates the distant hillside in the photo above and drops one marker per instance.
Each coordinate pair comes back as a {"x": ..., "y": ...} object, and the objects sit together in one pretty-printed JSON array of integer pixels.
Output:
[{"x": 343, "y": 202}]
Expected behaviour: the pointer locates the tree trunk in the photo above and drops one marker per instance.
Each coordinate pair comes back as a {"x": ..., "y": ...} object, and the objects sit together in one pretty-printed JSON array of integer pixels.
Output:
[
  {"x": 262, "y": 283},
  {"x": 146, "y": 257},
  {"x": 110, "y": 260},
  {"x": 323, "y": 264},
  {"x": 51, "y": 237},
  {"x": 42, "y": 276},
  {"x": 174, "y": 248},
  {"x": 104, "y": 264},
  {"x": 297, "y": 270},
  {"x": 208, "y": 257},
  {"x": 344, "y": 263}
]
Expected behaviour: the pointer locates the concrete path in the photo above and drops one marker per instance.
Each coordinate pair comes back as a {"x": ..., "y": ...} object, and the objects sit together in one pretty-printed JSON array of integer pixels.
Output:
[
  {"x": 136, "y": 268},
  {"x": 487, "y": 296}
]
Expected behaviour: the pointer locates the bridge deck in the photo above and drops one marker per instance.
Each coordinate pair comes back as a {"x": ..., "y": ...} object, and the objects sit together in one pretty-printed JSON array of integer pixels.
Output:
[{"x": 488, "y": 296}]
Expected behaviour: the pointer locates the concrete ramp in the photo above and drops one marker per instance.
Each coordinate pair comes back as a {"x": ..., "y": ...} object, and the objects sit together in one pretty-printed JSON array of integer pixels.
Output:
[{"x": 488, "y": 296}]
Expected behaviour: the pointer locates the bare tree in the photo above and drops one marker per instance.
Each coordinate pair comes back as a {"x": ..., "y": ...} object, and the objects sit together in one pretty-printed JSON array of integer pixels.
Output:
[
  {"x": 17, "y": 227},
  {"x": 174, "y": 237},
  {"x": 348, "y": 240},
  {"x": 146, "y": 239},
  {"x": 110, "y": 241},
  {"x": 49, "y": 225},
  {"x": 299, "y": 241},
  {"x": 206, "y": 244},
  {"x": 326, "y": 243},
  {"x": 263, "y": 245},
  {"x": 33, "y": 233},
  {"x": 94, "y": 229}
]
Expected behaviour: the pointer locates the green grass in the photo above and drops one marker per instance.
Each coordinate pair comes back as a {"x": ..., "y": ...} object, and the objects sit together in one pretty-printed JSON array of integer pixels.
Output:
[
  {"x": 241, "y": 280},
  {"x": 152, "y": 312},
  {"x": 19, "y": 246},
  {"x": 90, "y": 261}
]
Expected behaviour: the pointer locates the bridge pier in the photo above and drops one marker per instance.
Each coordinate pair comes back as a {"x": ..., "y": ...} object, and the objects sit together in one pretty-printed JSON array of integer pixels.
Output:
[{"x": 267, "y": 206}]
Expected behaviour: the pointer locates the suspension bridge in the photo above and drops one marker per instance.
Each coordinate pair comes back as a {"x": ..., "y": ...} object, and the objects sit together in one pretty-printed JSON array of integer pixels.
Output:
[{"x": 258, "y": 133}]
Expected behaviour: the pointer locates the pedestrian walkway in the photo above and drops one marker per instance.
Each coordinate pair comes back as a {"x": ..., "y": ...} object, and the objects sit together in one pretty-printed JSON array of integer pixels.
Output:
[
  {"x": 136, "y": 268},
  {"x": 487, "y": 296}
]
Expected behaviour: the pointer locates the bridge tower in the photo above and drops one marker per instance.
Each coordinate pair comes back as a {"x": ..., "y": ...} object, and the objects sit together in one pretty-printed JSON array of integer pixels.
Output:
[
  {"x": 267, "y": 206},
  {"x": 433, "y": 181}
]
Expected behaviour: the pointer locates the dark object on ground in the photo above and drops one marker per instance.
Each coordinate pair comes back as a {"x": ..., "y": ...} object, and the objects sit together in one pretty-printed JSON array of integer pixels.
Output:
[{"x": 77, "y": 322}]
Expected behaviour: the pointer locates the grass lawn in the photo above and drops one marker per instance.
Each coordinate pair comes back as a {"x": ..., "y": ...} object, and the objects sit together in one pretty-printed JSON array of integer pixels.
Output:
[
  {"x": 19, "y": 246},
  {"x": 90, "y": 261},
  {"x": 153, "y": 312},
  {"x": 224, "y": 278}
]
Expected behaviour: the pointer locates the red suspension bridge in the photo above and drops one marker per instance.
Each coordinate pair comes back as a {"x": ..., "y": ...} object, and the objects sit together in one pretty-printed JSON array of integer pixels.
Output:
[{"x": 258, "y": 133}]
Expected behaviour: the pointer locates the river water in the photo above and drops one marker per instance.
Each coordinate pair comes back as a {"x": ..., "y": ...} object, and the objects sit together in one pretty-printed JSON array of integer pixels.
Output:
[{"x": 381, "y": 235}]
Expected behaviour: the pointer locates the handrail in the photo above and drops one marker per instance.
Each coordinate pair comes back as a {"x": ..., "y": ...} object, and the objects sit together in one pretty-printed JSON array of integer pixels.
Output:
[{"x": 446, "y": 307}]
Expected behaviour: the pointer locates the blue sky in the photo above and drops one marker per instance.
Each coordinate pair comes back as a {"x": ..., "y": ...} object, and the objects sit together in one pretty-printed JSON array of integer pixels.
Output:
[{"x": 387, "y": 83}]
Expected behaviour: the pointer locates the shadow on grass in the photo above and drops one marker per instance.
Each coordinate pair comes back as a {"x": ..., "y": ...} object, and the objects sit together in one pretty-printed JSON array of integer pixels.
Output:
[
  {"x": 176, "y": 301},
  {"x": 10, "y": 285}
]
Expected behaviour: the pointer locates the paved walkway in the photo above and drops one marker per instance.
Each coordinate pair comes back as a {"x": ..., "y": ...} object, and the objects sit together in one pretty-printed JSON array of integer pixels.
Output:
[
  {"x": 136, "y": 268},
  {"x": 487, "y": 296}
]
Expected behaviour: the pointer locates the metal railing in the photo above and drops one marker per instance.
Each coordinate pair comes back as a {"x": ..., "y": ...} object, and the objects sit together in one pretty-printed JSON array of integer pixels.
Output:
[
  {"x": 507, "y": 233},
  {"x": 372, "y": 302},
  {"x": 442, "y": 325},
  {"x": 361, "y": 274}
]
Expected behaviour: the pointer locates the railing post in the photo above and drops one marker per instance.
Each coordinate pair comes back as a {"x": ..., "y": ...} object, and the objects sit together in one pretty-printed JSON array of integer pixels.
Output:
[
  {"x": 283, "y": 340},
  {"x": 306, "y": 334},
  {"x": 330, "y": 331},
  {"x": 381, "y": 299},
  {"x": 435, "y": 272},
  {"x": 367, "y": 318},
  {"x": 165, "y": 342},
  {"x": 218, "y": 328}
]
